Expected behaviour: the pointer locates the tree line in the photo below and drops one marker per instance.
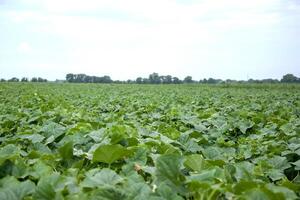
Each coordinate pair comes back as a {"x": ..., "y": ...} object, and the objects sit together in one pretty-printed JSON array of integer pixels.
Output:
[
  {"x": 24, "y": 79},
  {"x": 83, "y": 78},
  {"x": 155, "y": 78}
]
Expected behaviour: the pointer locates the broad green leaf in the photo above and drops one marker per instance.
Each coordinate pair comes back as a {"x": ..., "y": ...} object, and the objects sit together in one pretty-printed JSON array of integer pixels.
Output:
[
  {"x": 50, "y": 187},
  {"x": 139, "y": 157},
  {"x": 66, "y": 151},
  {"x": 9, "y": 151},
  {"x": 194, "y": 162},
  {"x": 243, "y": 186},
  {"x": 53, "y": 129},
  {"x": 137, "y": 191},
  {"x": 15, "y": 190},
  {"x": 40, "y": 169},
  {"x": 213, "y": 153},
  {"x": 279, "y": 162},
  {"x": 44, "y": 191},
  {"x": 104, "y": 177},
  {"x": 209, "y": 175},
  {"x": 168, "y": 169},
  {"x": 167, "y": 192},
  {"x": 275, "y": 174},
  {"x": 98, "y": 135},
  {"x": 244, "y": 125},
  {"x": 108, "y": 193},
  {"x": 34, "y": 138},
  {"x": 110, "y": 153},
  {"x": 297, "y": 165},
  {"x": 256, "y": 194},
  {"x": 285, "y": 192},
  {"x": 288, "y": 129}
]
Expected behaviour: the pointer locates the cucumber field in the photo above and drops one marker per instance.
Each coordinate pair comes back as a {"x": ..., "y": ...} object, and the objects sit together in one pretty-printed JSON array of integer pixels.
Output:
[{"x": 149, "y": 142}]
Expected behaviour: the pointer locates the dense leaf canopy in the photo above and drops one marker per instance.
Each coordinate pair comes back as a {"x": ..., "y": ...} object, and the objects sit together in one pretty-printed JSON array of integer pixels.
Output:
[{"x": 94, "y": 141}]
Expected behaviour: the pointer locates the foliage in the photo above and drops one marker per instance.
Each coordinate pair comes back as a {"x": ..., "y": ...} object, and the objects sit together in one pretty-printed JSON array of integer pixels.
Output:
[
  {"x": 108, "y": 141},
  {"x": 290, "y": 78}
]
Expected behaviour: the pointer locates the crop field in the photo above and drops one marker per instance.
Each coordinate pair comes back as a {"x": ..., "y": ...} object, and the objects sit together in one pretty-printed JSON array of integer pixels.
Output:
[{"x": 149, "y": 142}]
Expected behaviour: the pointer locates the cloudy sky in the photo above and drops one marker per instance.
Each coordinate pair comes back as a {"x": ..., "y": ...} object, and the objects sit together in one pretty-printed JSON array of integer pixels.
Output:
[{"x": 125, "y": 39}]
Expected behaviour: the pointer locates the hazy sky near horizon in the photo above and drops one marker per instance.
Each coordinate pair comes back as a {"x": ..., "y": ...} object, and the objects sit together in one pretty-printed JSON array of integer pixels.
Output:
[{"x": 126, "y": 39}]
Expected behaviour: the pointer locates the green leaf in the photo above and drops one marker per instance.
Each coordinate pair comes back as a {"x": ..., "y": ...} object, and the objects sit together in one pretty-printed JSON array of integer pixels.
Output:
[
  {"x": 104, "y": 177},
  {"x": 168, "y": 169},
  {"x": 209, "y": 175},
  {"x": 110, "y": 153},
  {"x": 34, "y": 138},
  {"x": 7, "y": 152},
  {"x": 15, "y": 190},
  {"x": 256, "y": 194},
  {"x": 192, "y": 146},
  {"x": 244, "y": 125},
  {"x": 194, "y": 162},
  {"x": 279, "y": 162},
  {"x": 138, "y": 191},
  {"x": 243, "y": 186},
  {"x": 297, "y": 165},
  {"x": 213, "y": 153},
  {"x": 44, "y": 191},
  {"x": 244, "y": 171},
  {"x": 50, "y": 187},
  {"x": 108, "y": 193},
  {"x": 98, "y": 135},
  {"x": 40, "y": 169},
  {"x": 288, "y": 129},
  {"x": 279, "y": 190},
  {"x": 139, "y": 157},
  {"x": 53, "y": 129},
  {"x": 66, "y": 151},
  {"x": 167, "y": 192},
  {"x": 275, "y": 174}
]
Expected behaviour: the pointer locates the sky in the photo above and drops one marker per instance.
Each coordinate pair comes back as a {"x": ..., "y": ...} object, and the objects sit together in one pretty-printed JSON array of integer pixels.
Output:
[{"x": 227, "y": 39}]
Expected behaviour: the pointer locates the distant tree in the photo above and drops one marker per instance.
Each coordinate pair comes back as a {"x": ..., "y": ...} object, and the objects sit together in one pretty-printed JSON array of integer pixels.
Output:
[
  {"x": 14, "y": 79},
  {"x": 154, "y": 78},
  {"x": 139, "y": 80},
  {"x": 289, "y": 78},
  {"x": 130, "y": 81},
  {"x": 107, "y": 79},
  {"x": 162, "y": 79},
  {"x": 269, "y": 80},
  {"x": 2, "y": 80},
  {"x": 230, "y": 81},
  {"x": 70, "y": 78},
  {"x": 24, "y": 79},
  {"x": 146, "y": 81},
  {"x": 34, "y": 79},
  {"x": 251, "y": 80},
  {"x": 176, "y": 80},
  {"x": 211, "y": 81},
  {"x": 188, "y": 79},
  {"x": 214, "y": 81},
  {"x": 80, "y": 78},
  {"x": 167, "y": 79},
  {"x": 39, "y": 79},
  {"x": 87, "y": 79},
  {"x": 118, "y": 82}
]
